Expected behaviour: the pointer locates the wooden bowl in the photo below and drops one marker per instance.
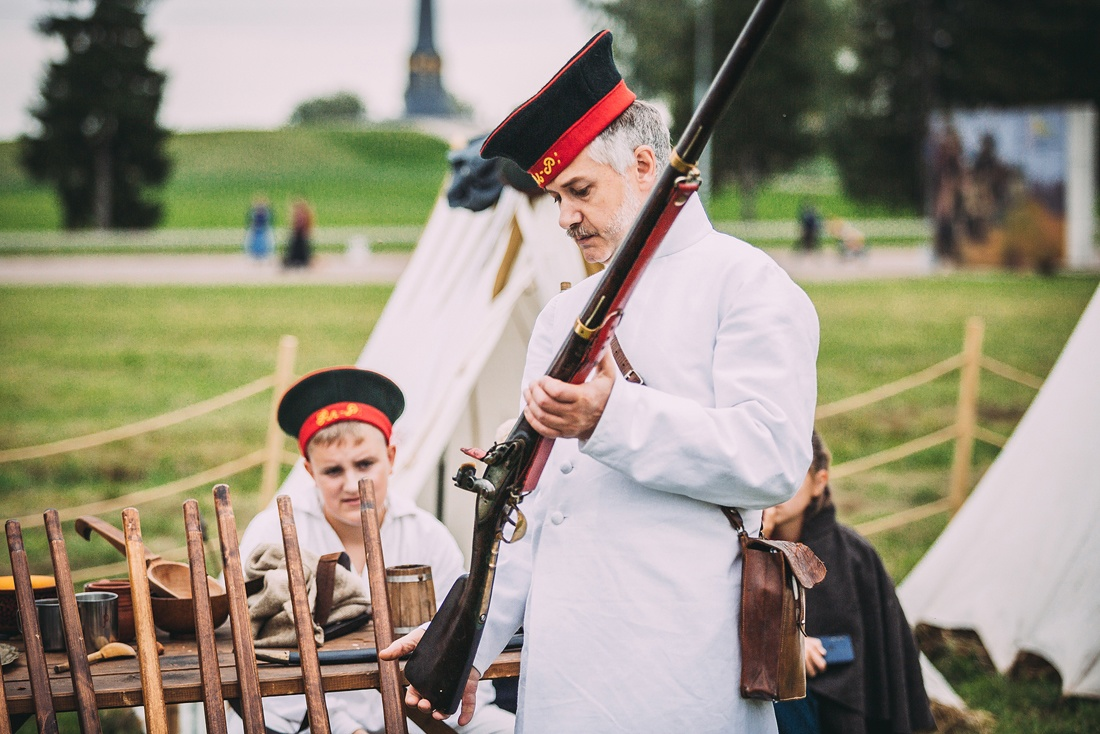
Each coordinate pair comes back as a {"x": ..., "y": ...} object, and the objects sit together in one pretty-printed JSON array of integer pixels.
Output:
[
  {"x": 177, "y": 616},
  {"x": 44, "y": 588}
]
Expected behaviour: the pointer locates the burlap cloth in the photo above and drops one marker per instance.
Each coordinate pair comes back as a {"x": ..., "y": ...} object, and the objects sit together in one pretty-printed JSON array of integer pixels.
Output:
[{"x": 270, "y": 608}]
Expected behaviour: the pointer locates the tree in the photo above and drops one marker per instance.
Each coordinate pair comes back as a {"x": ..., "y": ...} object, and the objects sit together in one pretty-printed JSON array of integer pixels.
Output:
[
  {"x": 772, "y": 123},
  {"x": 342, "y": 107},
  {"x": 909, "y": 58},
  {"x": 100, "y": 144}
]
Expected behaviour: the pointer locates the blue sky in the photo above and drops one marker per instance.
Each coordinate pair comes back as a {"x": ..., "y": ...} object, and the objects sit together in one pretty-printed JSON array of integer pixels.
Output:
[{"x": 246, "y": 63}]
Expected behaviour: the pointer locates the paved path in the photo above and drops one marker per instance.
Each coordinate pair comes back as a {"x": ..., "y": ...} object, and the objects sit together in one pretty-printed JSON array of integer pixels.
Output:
[
  {"x": 194, "y": 270},
  {"x": 236, "y": 269}
]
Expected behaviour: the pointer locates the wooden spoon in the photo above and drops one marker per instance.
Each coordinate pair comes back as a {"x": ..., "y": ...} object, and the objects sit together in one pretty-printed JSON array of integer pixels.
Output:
[
  {"x": 86, "y": 524},
  {"x": 110, "y": 650}
]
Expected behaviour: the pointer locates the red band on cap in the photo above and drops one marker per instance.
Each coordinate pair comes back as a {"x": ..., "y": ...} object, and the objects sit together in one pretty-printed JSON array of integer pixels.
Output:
[
  {"x": 340, "y": 412},
  {"x": 581, "y": 133}
]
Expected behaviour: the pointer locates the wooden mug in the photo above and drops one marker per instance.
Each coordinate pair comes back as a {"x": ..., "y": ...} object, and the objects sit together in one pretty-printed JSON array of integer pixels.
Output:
[{"x": 412, "y": 596}]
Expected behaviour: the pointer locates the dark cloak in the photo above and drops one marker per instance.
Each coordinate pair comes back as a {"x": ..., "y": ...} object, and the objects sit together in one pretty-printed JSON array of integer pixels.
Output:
[{"x": 882, "y": 690}]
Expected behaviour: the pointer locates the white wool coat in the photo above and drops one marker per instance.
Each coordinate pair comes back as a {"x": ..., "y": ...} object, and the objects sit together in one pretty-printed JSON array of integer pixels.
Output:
[{"x": 627, "y": 583}]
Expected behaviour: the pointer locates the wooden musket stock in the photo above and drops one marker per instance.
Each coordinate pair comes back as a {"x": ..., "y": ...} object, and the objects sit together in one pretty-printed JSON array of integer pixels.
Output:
[{"x": 440, "y": 665}]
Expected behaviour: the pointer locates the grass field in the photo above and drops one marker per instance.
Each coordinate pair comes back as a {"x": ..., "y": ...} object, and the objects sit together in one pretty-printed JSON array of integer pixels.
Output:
[
  {"x": 356, "y": 177},
  {"x": 371, "y": 176},
  {"x": 78, "y": 360}
]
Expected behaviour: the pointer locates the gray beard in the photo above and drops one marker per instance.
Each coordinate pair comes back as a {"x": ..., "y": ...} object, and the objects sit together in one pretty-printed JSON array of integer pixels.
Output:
[{"x": 616, "y": 229}]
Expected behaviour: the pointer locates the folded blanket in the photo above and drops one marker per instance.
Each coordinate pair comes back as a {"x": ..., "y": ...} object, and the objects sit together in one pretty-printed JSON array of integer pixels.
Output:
[{"x": 270, "y": 608}]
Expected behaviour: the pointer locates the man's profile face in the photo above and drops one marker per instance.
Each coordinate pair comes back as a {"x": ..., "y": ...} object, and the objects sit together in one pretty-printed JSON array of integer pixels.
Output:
[{"x": 596, "y": 205}]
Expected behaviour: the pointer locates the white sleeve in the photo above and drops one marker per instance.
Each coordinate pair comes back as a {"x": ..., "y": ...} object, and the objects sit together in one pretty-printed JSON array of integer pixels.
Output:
[{"x": 752, "y": 449}]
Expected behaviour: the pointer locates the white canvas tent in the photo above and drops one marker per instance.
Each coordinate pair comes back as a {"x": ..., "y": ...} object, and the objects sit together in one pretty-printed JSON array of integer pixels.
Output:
[
  {"x": 1020, "y": 563},
  {"x": 453, "y": 336}
]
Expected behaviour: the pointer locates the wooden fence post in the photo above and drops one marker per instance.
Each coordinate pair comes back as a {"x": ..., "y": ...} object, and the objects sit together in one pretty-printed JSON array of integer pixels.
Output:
[
  {"x": 284, "y": 372},
  {"x": 966, "y": 419}
]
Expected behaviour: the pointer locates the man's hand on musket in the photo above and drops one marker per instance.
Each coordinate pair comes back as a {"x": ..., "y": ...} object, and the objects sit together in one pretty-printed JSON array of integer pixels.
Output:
[
  {"x": 559, "y": 409},
  {"x": 403, "y": 646}
]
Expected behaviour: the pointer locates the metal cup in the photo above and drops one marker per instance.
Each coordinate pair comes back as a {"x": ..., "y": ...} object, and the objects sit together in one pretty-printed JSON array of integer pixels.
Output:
[
  {"x": 49, "y": 624},
  {"x": 98, "y": 618}
]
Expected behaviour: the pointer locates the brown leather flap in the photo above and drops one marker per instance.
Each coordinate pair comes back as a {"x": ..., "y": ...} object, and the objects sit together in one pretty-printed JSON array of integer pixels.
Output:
[{"x": 805, "y": 564}]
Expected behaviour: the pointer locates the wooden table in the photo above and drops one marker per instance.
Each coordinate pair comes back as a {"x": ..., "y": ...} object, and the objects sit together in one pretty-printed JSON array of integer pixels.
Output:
[{"x": 117, "y": 682}]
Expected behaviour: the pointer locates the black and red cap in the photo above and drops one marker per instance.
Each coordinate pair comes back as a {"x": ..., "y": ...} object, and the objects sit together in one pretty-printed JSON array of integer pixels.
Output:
[
  {"x": 338, "y": 394},
  {"x": 545, "y": 133}
]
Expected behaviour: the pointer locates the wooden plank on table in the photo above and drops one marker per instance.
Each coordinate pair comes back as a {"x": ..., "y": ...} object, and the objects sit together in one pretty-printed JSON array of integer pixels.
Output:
[
  {"x": 316, "y": 709},
  {"x": 38, "y": 672},
  {"x": 393, "y": 692},
  {"x": 152, "y": 689},
  {"x": 244, "y": 651},
  {"x": 118, "y": 681},
  {"x": 79, "y": 671},
  {"x": 209, "y": 672}
]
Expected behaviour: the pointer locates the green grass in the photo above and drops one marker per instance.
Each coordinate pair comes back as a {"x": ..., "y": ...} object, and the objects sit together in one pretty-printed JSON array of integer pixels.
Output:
[
  {"x": 351, "y": 177},
  {"x": 79, "y": 360},
  {"x": 358, "y": 177}
]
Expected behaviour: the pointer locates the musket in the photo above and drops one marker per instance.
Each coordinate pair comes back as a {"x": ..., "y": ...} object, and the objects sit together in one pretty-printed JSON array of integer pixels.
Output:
[{"x": 441, "y": 663}]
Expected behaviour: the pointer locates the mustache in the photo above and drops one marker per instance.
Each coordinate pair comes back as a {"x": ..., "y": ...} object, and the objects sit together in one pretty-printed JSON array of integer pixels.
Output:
[{"x": 577, "y": 232}]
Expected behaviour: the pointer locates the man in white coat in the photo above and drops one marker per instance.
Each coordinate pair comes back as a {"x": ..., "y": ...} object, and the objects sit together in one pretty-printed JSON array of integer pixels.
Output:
[{"x": 627, "y": 584}]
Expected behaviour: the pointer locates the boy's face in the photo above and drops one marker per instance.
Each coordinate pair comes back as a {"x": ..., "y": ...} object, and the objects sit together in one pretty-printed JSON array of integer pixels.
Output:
[{"x": 338, "y": 467}]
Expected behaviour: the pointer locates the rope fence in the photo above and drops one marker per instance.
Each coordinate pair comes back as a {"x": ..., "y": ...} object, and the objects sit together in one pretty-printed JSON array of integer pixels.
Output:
[
  {"x": 964, "y": 431},
  {"x": 271, "y": 456},
  {"x": 148, "y": 425}
]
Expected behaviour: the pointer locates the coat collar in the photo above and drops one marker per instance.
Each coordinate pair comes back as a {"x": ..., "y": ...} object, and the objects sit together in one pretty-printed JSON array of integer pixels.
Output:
[{"x": 691, "y": 226}]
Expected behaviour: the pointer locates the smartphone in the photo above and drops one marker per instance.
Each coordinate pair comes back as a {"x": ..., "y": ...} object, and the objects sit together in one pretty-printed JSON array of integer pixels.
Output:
[{"x": 838, "y": 649}]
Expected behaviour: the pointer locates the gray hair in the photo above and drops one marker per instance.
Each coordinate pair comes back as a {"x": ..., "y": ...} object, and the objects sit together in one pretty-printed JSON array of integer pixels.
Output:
[{"x": 640, "y": 124}]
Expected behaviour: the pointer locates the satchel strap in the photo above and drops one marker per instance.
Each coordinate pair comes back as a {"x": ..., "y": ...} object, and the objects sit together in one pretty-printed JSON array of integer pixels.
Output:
[
  {"x": 804, "y": 563},
  {"x": 735, "y": 519},
  {"x": 624, "y": 363}
]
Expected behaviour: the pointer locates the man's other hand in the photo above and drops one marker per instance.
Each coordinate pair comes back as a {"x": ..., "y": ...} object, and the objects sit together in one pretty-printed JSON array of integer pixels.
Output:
[
  {"x": 559, "y": 409},
  {"x": 403, "y": 646}
]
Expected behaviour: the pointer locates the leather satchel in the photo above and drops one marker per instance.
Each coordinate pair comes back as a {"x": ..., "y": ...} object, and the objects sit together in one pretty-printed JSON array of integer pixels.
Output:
[{"x": 774, "y": 577}]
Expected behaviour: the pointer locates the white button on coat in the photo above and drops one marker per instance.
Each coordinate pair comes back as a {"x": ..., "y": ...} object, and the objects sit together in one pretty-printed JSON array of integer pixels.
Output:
[{"x": 557, "y": 518}]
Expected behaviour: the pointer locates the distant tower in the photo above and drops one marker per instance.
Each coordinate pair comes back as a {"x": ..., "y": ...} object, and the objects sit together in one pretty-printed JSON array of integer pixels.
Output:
[{"x": 425, "y": 95}]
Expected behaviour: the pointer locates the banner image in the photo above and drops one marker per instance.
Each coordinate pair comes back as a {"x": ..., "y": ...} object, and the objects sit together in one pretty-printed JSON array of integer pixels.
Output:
[{"x": 998, "y": 186}]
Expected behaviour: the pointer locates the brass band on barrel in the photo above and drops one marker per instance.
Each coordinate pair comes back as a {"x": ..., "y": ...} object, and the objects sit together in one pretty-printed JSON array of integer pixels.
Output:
[
  {"x": 679, "y": 163},
  {"x": 583, "y": 331}
]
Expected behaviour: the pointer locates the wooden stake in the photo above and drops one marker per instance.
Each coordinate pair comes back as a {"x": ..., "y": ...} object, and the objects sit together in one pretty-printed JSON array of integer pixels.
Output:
[
  {"x": 244, "y": 651},
  {"x": 32, "y": 636},
  {"x": 303, "y": 621},
  {"x": 389, "y": 672},
  {"x": 966, "y": 420},
  {"x": 284, "y": 373},
  {"x": 79, "y": 671},
  {"x": 210, "y": 673},
  {"x": 152, "y": 687}
]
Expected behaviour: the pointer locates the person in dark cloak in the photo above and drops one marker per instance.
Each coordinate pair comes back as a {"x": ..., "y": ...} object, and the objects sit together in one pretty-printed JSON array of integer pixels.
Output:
[
  {"x": 299, "y": 249},
  {"x": 879, "y": 688}
]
